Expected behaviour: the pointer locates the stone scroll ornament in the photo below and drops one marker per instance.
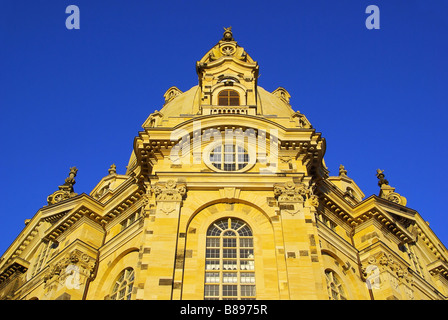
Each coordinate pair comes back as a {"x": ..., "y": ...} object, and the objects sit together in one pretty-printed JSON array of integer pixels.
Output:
[
  {"x": 289, "y": 195},
  {"x": 71, "y": 271},
  {"x": 169, "y": 195}
]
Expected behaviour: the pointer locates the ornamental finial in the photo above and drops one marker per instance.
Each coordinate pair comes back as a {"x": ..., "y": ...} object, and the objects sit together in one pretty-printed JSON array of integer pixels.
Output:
[
  {"x": 228, "y": 35},
  {"x": 381, "y": 179},
  {"x": 66, "y": 190}
]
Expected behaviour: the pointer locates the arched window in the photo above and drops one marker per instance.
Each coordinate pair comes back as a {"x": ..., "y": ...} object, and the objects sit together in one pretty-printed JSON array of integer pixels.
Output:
[
  {"x": 228, "y": 98},
  {"x": 229, "y": 261},
  {"x": 122, "y": 288},
  {"x": 334, "y": 286}
]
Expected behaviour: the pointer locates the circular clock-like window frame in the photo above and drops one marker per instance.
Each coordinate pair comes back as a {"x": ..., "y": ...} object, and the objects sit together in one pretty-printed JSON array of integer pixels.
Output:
[{"x": 229, "y": 157}]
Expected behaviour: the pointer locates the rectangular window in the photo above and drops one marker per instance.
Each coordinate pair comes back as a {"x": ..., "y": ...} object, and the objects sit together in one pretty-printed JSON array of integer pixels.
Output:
[
  {"x": 247, "y": 290},
  {"x": 212, "y": 290},
  {"x": 229, "y": 290}
]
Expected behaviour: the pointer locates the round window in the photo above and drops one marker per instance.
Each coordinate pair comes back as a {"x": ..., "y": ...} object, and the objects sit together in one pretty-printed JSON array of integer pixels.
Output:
[{"x": 228, "y": 157}]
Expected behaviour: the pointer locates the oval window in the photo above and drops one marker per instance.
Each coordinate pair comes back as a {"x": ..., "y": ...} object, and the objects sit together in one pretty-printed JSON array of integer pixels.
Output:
[{"x": 229, "y": 157}]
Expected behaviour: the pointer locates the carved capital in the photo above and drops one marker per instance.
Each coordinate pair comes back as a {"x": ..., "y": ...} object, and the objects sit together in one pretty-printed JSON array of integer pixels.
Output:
[
  {"x": 169, "y": 191},
  {"x": 75, "y": 261},
  {"x": 290, "y": 192}
]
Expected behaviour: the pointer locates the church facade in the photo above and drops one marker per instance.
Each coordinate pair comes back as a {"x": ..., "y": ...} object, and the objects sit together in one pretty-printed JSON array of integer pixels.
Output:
[{"x": 226, "y": 196}]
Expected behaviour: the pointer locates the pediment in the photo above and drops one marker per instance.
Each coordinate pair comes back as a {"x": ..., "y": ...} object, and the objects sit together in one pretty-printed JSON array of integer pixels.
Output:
[{"x": 107, "y": 185}]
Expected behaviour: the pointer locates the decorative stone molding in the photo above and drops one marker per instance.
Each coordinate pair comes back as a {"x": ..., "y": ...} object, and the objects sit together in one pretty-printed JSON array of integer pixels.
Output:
[
  {"x": 385, "y": 262},
  {"x": 74, "y": 264},
  {"x": 169, "y": 195},
  {"x": 171, "y": 93},
  {"x": 229, "y": 193},
  {"x": 289, "y": 195},
  {"x": 438, "y": 267},
  {"x": 290, "y": 192},
  {"x": 283, "y": 94},
  {"x": 169, "y": 191},
  {"x": 301, "y": 120},
  {"x": 154, "y": 118}
]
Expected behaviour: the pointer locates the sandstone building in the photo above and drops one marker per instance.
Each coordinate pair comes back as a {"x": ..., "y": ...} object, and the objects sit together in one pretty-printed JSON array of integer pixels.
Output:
[{"x": 226, "y": 196}]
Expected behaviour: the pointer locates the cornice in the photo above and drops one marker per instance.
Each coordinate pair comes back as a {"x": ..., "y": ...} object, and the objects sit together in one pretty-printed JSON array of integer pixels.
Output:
[
  {"x": 16, "y": 264},
  {"x": 92, "y": 210},
  {"x": 209, "y": 121},
  {"x": 430, "y": 240},
  {"x": 356, "y": 215}
]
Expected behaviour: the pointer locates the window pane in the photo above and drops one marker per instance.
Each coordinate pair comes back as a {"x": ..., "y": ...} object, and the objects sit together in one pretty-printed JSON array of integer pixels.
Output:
[
  {"x": 234, "y": 101},
  {"x": 236, "y": 224},
  {"x": 212, "y": 242},
  {"x": 229, "y": 148},
  {"x": 246, "y": 253},
  {"x": 229, "y": 253},
  {"x": 229, "y": 277},
  {"x": 121, "y": 293},
  {"x": 223, "y": 224},
  {"x": 212, "y": 277},
  {"x": 229, "y": 158},
  {"x": 214, "y": 231},
  {"x": 247, "y": 277},
  {"x": 245, "y": 231},
  {"x": 229, "y": 242},
  {"x": 248, "y": 290},
  {"x": 229, "y": 167},
  {"x": 247, "y": 265},
  {"x": 212, "y": 253},
  {"x": 212, "y": 290},
  {"x": 246, "y": 242},
  {"x": 229, "y": 290},
  {"x": 229, "y": 265},
  {"x": 212, "y": 265},
  {"x": 228, "y": 98}
]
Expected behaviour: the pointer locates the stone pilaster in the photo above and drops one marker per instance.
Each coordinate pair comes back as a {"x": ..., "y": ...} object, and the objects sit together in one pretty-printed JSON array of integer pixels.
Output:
[{"x": 160, "y": 263}]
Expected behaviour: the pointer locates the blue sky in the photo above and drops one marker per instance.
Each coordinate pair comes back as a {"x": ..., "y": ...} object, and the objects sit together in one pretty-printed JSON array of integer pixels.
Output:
[{"x": 79, "y": 97}]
